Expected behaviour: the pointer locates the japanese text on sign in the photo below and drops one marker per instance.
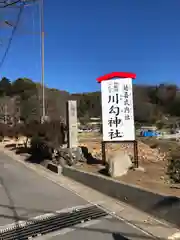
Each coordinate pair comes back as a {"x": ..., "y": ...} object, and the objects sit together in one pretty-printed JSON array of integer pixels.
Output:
[{"x": 117, "y": 110}]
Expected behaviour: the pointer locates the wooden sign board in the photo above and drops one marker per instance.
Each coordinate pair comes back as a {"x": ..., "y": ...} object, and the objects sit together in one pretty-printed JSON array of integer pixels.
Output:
[{"x": 117, "y": 110}]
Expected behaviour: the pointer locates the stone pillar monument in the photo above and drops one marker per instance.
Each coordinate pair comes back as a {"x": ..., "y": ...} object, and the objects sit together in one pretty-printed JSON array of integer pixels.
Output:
[{"x": 72, "y": 124}]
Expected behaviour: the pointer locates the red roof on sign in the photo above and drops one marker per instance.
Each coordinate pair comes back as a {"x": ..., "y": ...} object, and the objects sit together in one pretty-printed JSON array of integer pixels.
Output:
[{"x": 116, "y": 74}]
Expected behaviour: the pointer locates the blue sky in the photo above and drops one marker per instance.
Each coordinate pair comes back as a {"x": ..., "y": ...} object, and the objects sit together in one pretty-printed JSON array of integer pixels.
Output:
[{"x": 87, "y": 39}]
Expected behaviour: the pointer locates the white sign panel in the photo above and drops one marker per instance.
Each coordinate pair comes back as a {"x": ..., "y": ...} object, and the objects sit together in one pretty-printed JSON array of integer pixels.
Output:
[{"x": 117, "y": 110}]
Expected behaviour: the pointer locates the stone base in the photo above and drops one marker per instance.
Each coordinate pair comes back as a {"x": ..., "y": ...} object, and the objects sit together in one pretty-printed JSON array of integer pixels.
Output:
[{"x": 54, "y": 168}]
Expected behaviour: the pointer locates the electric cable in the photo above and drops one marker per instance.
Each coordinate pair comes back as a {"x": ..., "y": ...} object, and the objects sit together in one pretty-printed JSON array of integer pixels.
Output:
[
  {"x": 9, "y": 4},
  {"x": 12, "y": 35}
]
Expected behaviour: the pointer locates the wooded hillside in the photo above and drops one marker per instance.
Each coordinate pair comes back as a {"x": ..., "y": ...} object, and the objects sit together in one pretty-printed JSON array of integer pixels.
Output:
[
  {"x": 151, "y": 103},
  {"x": 21, "y": 99}
]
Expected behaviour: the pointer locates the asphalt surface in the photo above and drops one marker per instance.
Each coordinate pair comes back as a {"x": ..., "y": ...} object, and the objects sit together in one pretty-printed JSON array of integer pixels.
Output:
[{"x": 25, "y": 194}]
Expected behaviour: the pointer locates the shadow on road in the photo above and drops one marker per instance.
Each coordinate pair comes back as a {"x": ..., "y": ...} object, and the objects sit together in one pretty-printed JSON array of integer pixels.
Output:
[
  {"x": 23, "y": 217},
  {"x": 118, "y": 235},
  {"x": 10, "y": 145},
  {"x": 11, "y": 206},
  {"x": 31, "y": 157},
  {"x": 11, "y": 202},
  {"x": 35, "y": 158},
  {"x": 21, "y": 150}
]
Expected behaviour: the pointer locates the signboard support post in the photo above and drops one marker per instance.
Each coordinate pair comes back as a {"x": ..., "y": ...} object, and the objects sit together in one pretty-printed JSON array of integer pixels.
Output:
[
  {"x": 103, "y": 147},
  {"x": 118, "y": 111},
  {"x": 136, "y": 162}
]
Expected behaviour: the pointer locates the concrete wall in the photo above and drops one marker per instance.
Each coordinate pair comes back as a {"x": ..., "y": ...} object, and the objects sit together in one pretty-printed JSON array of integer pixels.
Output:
[{"x": 167, "y": 208}]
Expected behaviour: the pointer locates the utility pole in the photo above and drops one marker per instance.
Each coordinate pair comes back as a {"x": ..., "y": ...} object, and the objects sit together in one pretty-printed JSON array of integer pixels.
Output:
[
  {"x": 5, "y": 113},
  {"x": 41, "y": 8},
  {"x": 42, "y": 59}
]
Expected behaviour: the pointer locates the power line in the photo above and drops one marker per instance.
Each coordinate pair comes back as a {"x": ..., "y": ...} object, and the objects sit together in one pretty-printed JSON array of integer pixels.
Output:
[
  {"x": 6, "y": 4},
  {"x": 12, "y": 35}
]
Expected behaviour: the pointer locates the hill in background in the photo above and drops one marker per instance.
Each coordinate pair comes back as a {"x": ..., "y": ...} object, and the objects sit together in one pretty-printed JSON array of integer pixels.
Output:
[{"x": 21, "y": 99}]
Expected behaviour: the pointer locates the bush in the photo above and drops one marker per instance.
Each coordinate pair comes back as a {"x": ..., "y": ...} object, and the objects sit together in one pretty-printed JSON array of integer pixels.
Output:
[
  {"x": 53, "y": 131},
  {"x": 45, "y": 138},
  {"x": 31, "y": 129},
  {"x": 18, "y": 130},
  {"x": 2, "y": 131},
  {"x": 174, "y": 165},
  {"x": 40, "y": 148},
  {"x": 11, "y": 131},
  {"x": 6, "y": 130}
]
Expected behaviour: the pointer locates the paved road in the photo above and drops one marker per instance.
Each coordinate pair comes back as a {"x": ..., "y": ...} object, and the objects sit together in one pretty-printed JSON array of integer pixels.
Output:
[{"x": 24, "y": 194}]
